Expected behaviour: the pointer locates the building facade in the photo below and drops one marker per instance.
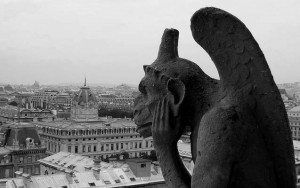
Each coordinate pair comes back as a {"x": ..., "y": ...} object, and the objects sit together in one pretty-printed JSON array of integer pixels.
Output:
[
  {"x": 294, "y": 121},
  {"x": 101, "y": 139},
  {"x": 61, "y": 101},
  {"x": 89, "y": 135},
  {"x": 10, "y": 113},
  {"x": 43, "y": 99},
  {"x": 110, "y": 101}
]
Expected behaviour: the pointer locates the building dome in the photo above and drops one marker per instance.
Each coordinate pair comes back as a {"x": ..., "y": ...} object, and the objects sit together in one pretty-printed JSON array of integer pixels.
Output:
[
  {"x": 84, "y": 107},
  {"x": 84, "y": 96}
]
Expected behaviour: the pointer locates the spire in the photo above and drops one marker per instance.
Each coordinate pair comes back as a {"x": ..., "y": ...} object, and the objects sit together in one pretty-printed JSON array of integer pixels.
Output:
[{"x": 85, "y": 81}]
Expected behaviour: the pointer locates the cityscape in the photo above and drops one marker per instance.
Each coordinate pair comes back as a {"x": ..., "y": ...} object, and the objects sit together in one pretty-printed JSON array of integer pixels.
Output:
[
  {"x": 68, "y": 89},
  {"x": 67, "y": 129}
]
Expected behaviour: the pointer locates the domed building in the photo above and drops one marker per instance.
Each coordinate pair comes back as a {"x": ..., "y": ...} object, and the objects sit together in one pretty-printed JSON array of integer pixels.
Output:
[
  {"x": 90, "y": 135},
  {"x": 84, "y": 105}
]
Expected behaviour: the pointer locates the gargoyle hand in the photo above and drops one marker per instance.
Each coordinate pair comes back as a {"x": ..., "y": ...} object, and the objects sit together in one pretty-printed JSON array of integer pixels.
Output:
[{"x": 166, "y": 127}]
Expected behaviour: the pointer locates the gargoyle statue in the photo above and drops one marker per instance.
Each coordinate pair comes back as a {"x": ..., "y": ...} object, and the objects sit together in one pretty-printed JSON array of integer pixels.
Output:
[{"x": 240, "y": 132}]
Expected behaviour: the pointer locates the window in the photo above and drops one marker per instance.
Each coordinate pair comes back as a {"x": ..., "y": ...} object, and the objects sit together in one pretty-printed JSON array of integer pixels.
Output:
[
  {"x": 76, "y": 149},
  {"x": 143, "y": 165},
  {"x": 95, "y": 148},
  {"x": 70, "y": 140},
  {"x": 29, "y": 170},
  {"x": 83, "y": 148},
  {"x": 83, "y": 139},
  {"x": 29, "y": 159},
  {"x": 36, "y": 169},
  {"x": 92, "y": 184},
  {"x": 7, "y": 172},
  {"x": 21, "y": 159},
  {"x": 21, "y": 169},
  {"x": 89, "y": 148},
  {"x": 69, "y": 148}
]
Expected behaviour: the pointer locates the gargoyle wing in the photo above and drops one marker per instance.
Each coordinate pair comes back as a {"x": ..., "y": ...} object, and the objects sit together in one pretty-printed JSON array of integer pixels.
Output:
[{"x": 242, "y": 66}]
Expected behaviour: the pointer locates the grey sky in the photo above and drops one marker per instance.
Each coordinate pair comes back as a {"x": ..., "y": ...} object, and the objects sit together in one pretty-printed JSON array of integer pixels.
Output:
[{"x": 61, "y": 41}]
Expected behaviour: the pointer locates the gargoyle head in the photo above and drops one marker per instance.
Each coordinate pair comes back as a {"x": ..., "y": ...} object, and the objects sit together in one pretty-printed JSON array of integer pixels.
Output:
[
  {"x": 169, "y": 76},
  {"x": 153, "y": 87}
]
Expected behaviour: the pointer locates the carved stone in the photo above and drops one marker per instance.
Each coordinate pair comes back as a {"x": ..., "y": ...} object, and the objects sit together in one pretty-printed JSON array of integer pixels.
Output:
[{"x": 240, "y": 132}]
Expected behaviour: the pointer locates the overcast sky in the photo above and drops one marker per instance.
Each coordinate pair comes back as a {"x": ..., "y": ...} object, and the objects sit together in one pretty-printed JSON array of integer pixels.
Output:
[{"x": 61, "y": 41}]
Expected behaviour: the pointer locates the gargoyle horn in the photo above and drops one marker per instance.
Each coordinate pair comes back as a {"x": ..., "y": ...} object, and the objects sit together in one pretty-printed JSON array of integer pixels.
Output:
[{"x": 168, "y": 46}]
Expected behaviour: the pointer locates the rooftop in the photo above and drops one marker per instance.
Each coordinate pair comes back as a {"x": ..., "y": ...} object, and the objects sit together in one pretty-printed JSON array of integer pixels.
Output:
[
  {"x": 184, "y": 149},
  {"x": 104, "y": 123},
  {"x": 115, "y": 174},
  {"x": 4, "y": 151},
  {"x": 14, "y": 109},
  {"x": 295, "y": 109},
  {"x": 17, "y": 133},
  {"x": 71, "y": 161}
]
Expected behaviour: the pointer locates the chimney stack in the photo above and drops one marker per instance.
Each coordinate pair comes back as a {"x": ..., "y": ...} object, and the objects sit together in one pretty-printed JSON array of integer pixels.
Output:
[
  {"x": 96, "y": 172},
  {"x": 87, "y": 168},
  {"x": 18, "y": 174},
  {"x": 26, "y": 179},
  {"x": 97, "y": 162},
  {"x": 69, "y": 176}
]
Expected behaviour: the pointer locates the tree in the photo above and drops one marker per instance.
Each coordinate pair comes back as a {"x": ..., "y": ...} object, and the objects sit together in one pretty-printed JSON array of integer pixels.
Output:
[{"x": 13, "y": 103}]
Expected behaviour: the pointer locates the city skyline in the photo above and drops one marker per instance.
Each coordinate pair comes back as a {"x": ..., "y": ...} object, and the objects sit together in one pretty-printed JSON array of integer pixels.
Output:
[{"x": 57, "y": 42}]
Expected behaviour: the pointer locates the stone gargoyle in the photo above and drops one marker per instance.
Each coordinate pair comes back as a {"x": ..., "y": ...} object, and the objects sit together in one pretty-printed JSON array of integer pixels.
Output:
[{"x": 240, "y": 135}]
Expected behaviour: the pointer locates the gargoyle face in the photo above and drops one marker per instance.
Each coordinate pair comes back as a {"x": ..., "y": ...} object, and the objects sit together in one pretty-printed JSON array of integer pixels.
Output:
[{"x": 144, "y": 104}]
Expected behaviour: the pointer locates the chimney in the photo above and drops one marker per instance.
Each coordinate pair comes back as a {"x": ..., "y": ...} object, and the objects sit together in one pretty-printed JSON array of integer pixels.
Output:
[
  {"x": 97, "y": 162},
  {"x": 96, "y": 172},
  {"x": 87, "y": 168},
  {"x": 140, "y": 167},
  {"x": 26, "y": 179},
  {"x": 69, "y": 176},
  {"x": 18, "y": 174}
]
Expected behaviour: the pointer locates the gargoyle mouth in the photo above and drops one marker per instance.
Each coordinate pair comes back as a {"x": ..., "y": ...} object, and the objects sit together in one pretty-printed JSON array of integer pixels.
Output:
[
  {"x": 144, "y": 126},
  {"x": 145, "y": 130}
]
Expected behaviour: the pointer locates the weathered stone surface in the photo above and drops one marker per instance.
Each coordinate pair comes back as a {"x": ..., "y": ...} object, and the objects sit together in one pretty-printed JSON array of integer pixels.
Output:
[{"x": 240, "y": 131}]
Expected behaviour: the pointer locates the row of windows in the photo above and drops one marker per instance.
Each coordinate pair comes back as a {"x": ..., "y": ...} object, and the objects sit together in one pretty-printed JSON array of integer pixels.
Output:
[
  {"x": 34, "y": 169},
  {"x": 291, "y": 123},
  {"x": 111, "y": 147},
  {"x": 53, "y": 147},
  {"x": 27, "y": 159},
  {"x": 297, "y": 114},
  {"x": 107, "y": 138},
  {"x": 90, "y": 132}
]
